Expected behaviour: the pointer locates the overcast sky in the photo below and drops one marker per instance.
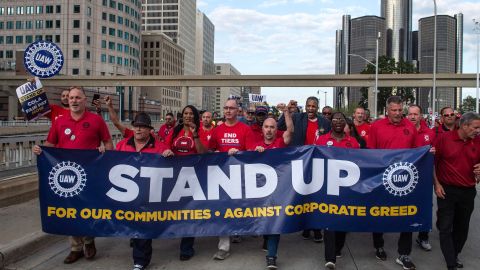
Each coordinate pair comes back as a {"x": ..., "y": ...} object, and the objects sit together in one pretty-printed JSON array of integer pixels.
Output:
[{"x": 298, "y": 36}]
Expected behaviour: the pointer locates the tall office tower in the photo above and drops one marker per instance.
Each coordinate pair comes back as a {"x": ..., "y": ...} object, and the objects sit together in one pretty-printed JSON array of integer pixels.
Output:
[
  {"x": 203, "y": 97},
  {"x": 449, "y": 53},
  {"x": 363, "y": 38},
  {"x": 161, "y": 56},
  {"x": 342, "y": 65},
  {"x": 96, "y": 37},
  {"x": 398, "y": 20},
  {"x": 223, "y": 93},
  {"x": 176, "y": 19}
]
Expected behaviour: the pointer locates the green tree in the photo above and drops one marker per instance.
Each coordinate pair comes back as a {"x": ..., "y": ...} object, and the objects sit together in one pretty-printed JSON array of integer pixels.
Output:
[
  {"x": 388, "y": 65},
  {"x": 468, "y": 105}
]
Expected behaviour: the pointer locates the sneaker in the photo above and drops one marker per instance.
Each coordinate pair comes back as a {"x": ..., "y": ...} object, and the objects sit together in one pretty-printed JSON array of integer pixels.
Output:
[
  {"x": 330, "y": 265},
  {"x": 306, "y": 234},
  {"x": 221, "y": 255},
  {"x": 317, "y": 236},
  {"x": 236, "y": 239},
  {"x": 185, "y": 257},
  {"x": 264, "y": 246},
  {"x": 381, "y": 254},
  {"x": 271, "y": 263},
  {"x": 404, "y": 260},
  {"x": 459, "y": 264},
  {"x": 138, "y": 267},
  {"x": 424, "y": 244}
]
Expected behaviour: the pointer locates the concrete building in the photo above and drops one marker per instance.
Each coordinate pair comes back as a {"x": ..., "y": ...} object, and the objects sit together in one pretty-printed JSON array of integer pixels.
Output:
[
  {"x": 223, "y": 93},
  {"x": 449, "y": 56},
  {"x": 245, "y": 98},
  {"x": 398, "y": 22},
  {"x": 355, "y": 40},
  {"x": 97, "y": 38},
  {"x": 161, "y": 56},
  {"x": 175, "y": 19},
  {"x": 203, "y": 97}
]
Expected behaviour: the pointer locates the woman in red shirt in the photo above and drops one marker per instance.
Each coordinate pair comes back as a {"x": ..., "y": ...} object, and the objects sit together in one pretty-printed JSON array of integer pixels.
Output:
[
  {"x": 184, "y": 140},
  {"x": 337, "y": 137}
]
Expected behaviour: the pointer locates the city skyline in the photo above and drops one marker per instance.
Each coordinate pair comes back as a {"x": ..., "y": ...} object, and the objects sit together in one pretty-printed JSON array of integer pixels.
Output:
[{"x": 298, "y": 36}]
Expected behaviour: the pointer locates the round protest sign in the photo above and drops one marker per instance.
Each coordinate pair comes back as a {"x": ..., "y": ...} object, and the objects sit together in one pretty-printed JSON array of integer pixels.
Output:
[{"x": 43, "y": 59}]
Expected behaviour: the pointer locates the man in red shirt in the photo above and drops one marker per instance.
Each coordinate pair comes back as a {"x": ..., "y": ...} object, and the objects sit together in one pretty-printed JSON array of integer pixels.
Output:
[
  {"x": 260, "y": 116},
  {"x": 457, "y": 171},
  {"x": 80, "y": 129},
  {"x": 232, "y": 136},
  {"x": 447, "y": 119},
  {"x": 393, "y": 132},
  {"x": 270, "y": 140},
  {"x": 57, "y": 111},
  {"x": 141, "y": 141},
  {"x": 361, "y": 125},
  {"x": 206, "y": 129},
  {"x": 166, "y": 128},
  {"x": 425, "y": 136}
]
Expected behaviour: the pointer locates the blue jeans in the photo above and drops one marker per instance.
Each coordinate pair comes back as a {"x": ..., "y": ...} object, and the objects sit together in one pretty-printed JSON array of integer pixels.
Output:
[
  {"x": 186, "y": 246},
  {"x": 272, "y": 244}
]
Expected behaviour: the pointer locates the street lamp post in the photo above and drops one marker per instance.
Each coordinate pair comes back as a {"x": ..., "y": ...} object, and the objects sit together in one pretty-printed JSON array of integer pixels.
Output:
[
  {"x": 375, "y": 96},
  {"x": 325, "y": 100},
  {"x": 434, "y": 91},
  {"x": 476, "y": 29}
]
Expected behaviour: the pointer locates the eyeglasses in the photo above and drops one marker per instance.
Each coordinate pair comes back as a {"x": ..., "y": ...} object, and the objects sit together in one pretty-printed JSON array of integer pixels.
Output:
[
  {"x": 449, "y": 115},
  {"x": 251, "y": 112},
  {"x": 227, "y": 108}
]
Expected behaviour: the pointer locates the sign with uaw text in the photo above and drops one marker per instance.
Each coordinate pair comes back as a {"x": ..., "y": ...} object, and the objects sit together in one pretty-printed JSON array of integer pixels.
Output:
[
  {"x": 33, "y": 99},
  {"x": 83, "y": 192},
  {"x": 254, "y": 98}
]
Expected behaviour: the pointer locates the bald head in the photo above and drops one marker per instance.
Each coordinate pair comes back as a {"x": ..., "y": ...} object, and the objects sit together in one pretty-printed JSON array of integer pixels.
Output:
[{"x": 269, "y": 129}]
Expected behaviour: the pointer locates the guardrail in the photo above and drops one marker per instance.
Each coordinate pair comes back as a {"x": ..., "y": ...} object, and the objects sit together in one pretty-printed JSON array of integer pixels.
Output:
[
  {"x": 16, "y": 151},
  {"x": 22, "y": 123}
]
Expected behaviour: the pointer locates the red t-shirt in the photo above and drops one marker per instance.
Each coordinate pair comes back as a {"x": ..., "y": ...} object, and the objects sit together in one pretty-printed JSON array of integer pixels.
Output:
[
  {"x": 128, "y": 133},
  {"x": 152, "y": 146},
  {"x": 56, "y": 111},
  {"x": 86, "y": 133},
  {"x": 385, "y": 135},
  {"x": 164, "y": 131},
  {"x": 258, "y": 132},
  {"x": 277, "y": 143},
  {"x": 225, "y": 137},
  {"x": 454, "y": 159},
  {"x": 181, "y": 145},
  {"x": 205, "y": 135},
  {"x": 425, "y": 135},
  {"x": 346, "y": 142},
  {"x": 363, "y": 130},
  {"x": 311, "y": 134}
]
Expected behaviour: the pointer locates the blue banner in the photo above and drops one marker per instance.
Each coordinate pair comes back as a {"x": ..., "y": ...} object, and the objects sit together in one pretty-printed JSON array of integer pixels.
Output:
[{"x": 83, "y": 192}]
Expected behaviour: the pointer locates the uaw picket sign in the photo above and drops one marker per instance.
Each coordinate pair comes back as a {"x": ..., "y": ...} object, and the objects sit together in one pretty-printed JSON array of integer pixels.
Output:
[
  {"x": 33, "y": 99},
  {"x": 84, "y": 192},
  {"x": 43, "y": 59}
]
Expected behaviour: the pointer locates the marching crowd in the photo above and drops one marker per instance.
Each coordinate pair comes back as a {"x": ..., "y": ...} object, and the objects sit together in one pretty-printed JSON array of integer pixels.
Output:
[{"x": 454, "y": 142}]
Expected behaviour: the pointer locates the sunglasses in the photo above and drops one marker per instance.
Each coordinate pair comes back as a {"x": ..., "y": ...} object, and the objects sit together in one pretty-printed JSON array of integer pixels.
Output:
[
  {"x": 449, "y": 115},
  {"x": 326, "y": 113}
]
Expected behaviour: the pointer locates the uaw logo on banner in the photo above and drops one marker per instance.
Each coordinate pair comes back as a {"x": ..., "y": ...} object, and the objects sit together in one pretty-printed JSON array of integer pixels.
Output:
[
  {"x": 43, "y": 59},
  {"x": 400, "y": 178},
  {"x": 67, "y": 179}
]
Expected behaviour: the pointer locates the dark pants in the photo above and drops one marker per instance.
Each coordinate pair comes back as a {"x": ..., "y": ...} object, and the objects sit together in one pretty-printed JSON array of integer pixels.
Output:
[
  {"x": 142, "y": 251},
  {"x": 186, "y": 246},
  {"x": 423, "y": 236},
  {"x": 453, "y": 219},
  {"x": 334, "y": 242},
  {"x": 272, "y": 244},
  {"x": 404, "y": 242}
]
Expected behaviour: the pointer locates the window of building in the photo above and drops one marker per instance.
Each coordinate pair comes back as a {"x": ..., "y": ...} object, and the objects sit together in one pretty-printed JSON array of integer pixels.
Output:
[
  {"x": 88, "y": 40},
  {"x": 9, "y": 40},
  {"x": 1, "y": 54},
  {"x": 28, "y": 39},
  {"x": 57, "y": 24},
  {"x": 127, "y": 35},
  {"x": 20, "y": 10},
  {"x": 9, "y": 54},
  {"x": 103, "y": 58},
  {"x": 49, "y": 9},
  {"x": 89, "y": 11},
  {"x": 119, "y": 47},
  {"x": 29, "y": 10},
  {"x": 49, "y": 38},
  {"x": 76, "y": 39},
  {"x": 113, "y": 4},
  {"x": 58, "y": 9},
  {"x": 76, "y": 23},
  {"x": 28, "y": 25},
  {"x": 10, "y": 10},
  {"x": 119, "y": 33},
  {"x": 125, "y": 62},
  {"x": 111, "y": 31},
  {"x": 19, "y": 39},
  {"x": 2, "y": 11},
  {"x": 38, "y": 24},
  {"x": 76, "y": 8},
  {"x": 76, "y": 53},
  {"x": 119, "y": 60},
  {"x": 120, "y": 20},
  {"x": 111, "y": 17},
  {"x": 87, "y": 72},
  {"x": 88, "y": 55},
  {"x": 38, "y": 37},
  {"x": 49, "y": 24},
  {"x": 89, "y": 25},
  {"x": 75, "y": 71},
  {"x": 120, "y": 6},
  {"x": 111, "y": 45},
  {"x": 104, "y": 3},
  {"x": 111, "y": 59},
  {"x": 104, "y": 16},
  {"x": 39, "y": 9},
  {"x": 19, "y": 25},
  {"x": 10, "y": 25},
  {"x": 104, "y": 30},
  {"x": 57, "y": 38}
]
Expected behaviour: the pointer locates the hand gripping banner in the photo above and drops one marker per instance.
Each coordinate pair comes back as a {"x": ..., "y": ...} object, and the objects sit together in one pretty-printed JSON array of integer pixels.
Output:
[{"x": 83, "y": 192}]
